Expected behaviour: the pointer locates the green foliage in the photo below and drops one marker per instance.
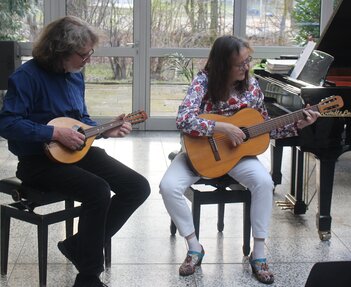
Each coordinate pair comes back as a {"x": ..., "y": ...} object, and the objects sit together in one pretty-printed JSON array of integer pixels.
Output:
[
  {"x": 336, "y": 3},
  {"x": 306, "y": 15},
  {"x": 181, "y": 65},
  {"x": 11, "y": 15}
]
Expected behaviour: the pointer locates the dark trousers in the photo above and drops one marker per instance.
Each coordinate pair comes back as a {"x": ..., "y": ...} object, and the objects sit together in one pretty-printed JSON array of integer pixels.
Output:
[{"x": 90, "y": 181}]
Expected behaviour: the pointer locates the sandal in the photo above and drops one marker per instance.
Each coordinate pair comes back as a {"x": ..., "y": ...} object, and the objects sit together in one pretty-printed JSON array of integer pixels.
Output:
[
  {"x": 260, "y": 270},
  {"x": 192, "y": 260}
]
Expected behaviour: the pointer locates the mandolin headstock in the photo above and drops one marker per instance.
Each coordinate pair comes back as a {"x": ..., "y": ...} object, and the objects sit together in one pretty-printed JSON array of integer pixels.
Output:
[{"x": 136, "y": 117}]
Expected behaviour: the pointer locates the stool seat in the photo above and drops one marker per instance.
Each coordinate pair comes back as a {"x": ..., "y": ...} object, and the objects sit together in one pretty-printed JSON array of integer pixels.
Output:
[{"x": 26, "y": 199}]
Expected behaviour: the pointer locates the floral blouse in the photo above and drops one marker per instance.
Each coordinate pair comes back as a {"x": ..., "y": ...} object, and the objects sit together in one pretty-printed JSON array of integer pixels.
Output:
[{"x": 197, "y": 102}]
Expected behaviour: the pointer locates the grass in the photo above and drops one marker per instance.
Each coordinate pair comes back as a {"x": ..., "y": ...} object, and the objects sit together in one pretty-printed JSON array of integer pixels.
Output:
[{"x": 114, "y": 99}]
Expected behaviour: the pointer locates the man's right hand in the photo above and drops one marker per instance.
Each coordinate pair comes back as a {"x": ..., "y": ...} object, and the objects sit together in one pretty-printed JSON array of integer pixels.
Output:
[{"x": 68, "y": 137}]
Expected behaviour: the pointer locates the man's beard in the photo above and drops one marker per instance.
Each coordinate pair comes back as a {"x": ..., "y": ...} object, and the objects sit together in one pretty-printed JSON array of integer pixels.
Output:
[{"x": 72, "y": 70}]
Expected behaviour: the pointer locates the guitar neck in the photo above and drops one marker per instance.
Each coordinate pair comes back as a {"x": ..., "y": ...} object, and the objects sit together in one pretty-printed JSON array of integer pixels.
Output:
[
  {"x": 93, "y": 131},
  {"x": 277, "y": 122}
]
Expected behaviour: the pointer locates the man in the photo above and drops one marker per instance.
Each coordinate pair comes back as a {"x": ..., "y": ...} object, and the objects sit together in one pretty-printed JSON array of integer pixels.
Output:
[{"x": 51, "y": 85}]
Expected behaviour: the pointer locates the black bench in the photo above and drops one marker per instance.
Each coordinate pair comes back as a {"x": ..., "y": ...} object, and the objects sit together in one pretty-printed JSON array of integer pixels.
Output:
[{"x": 25, "y": 200}]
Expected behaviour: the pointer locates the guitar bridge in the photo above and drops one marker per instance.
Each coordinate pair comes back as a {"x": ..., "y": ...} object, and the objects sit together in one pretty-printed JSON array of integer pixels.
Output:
[{"x": 214, "y": 148}]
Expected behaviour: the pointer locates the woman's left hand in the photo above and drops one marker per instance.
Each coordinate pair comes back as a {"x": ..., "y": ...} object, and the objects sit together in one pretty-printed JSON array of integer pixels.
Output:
[{"x": 310, "y": 117}]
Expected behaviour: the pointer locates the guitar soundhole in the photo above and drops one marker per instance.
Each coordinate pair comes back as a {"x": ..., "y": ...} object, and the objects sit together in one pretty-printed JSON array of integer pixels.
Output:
[{"x": 246, "y": 132}]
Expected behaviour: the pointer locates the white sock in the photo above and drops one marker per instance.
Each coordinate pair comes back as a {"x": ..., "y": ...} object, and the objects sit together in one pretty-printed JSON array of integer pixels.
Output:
[
  {"x": 193, "y": 243},
  {"x": 258, "y": 248}
]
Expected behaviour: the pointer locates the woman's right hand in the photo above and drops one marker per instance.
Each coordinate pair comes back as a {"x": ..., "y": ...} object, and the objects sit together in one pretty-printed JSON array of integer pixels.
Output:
[
  {"x": 234, "y": 133},
  {"x": 68, "y": 137}
]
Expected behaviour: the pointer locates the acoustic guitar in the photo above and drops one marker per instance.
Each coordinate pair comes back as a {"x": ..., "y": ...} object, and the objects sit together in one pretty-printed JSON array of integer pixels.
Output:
[
  {"x": 215, "y": 156},
  {"x": 59, "y": 153}
]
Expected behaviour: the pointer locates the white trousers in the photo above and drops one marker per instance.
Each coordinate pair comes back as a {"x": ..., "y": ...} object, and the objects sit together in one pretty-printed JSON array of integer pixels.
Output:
[{"x": 249, "y": 171}]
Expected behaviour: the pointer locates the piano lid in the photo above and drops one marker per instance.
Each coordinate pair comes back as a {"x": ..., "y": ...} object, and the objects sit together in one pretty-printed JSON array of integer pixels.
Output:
[{"x": 334, "y": 40}]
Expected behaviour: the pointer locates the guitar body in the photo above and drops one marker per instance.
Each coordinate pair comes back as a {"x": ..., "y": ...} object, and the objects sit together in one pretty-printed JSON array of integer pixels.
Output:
[
  {"x": 215, "y": 156},
  {"x": 58, "y": 152},
  {"x": 200, "y": 152}
]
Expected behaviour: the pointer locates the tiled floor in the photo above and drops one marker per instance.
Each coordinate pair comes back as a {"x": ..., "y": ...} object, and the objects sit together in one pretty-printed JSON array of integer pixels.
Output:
[{"x": 145, "y": 254}]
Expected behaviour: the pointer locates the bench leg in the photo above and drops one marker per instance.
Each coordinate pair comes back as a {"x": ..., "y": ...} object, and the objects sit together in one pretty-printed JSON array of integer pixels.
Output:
[
  {"x": 43, "y": 252},
  {"x": 247, "y": 228},
  {"x": 69, "y": 204},
  {"x": 173, "y": 228},
  {"x": 196, "y": 209},
  {"x": 108, "y": 253},
  {"x": 5, "y": 235},
  {"x": 220, "y": 220}
]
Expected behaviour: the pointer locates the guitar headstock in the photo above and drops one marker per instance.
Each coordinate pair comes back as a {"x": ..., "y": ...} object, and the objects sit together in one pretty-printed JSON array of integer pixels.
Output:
[
  {"x": 330, "y": 104},
  {"x": 136, "y": 117}
]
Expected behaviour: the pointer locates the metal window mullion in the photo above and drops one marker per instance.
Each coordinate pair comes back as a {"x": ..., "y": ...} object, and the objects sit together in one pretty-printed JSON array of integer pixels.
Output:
[
  {"x": 142, "y": 36},
  {"x": 326, "y": 13},
  {"x": 54, "y": 9},
  {"x": 240, "y": 12}
]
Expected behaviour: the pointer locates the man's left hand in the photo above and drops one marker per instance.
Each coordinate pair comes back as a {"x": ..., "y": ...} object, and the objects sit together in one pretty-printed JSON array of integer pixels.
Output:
[{"x": 120, "y": 131}]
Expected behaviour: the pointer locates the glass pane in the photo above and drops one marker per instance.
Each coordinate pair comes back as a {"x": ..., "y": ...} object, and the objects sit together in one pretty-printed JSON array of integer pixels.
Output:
[
  {"x": 113, "y": 18},
  {"x": 21, "y": 20},
  {"x": 170, "y": 78},
  {"x": 188, "y": 24},
  {"x": 108, "y": 91},
  {"x": 282, "y": 22}
]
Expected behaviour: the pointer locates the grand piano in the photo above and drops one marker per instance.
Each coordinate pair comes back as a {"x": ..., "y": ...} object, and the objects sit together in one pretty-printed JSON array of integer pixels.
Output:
[{"x": 328, "y": 137}]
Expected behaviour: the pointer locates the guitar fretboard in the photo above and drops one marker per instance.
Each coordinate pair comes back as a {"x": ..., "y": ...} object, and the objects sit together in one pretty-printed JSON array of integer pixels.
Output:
[{"x": 277, "y": 122}]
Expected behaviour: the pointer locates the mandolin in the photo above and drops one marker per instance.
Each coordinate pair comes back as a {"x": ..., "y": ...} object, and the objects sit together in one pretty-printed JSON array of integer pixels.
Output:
[
  {"x": 59, "y": 153},
  {"x": 215, "y": 156}
]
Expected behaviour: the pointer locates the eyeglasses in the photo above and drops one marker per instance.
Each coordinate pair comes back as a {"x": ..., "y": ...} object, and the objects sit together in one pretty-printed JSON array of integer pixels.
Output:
[
  {"x": 86, "y": 56},
  {"x": 243, "y": 65}
]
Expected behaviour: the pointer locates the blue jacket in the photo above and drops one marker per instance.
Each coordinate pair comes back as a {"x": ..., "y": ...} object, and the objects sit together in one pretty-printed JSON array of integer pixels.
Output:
[{"x": 35, "y": 97}]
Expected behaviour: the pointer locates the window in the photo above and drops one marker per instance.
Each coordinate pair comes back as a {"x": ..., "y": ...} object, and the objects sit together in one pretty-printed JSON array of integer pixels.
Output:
[{"x": 190, "y": 24}]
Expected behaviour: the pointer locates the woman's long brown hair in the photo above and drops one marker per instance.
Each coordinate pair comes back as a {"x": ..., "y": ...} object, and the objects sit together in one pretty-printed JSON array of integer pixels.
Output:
[{"x": 219, "y": 65}]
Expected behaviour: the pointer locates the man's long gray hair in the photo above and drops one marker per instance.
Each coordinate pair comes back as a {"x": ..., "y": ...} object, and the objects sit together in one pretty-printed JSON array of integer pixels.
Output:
[{"x": 60, "y": 39}]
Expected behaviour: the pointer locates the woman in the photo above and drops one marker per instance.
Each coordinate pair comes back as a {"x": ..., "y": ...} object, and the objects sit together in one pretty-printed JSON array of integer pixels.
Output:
[{"x": 224, "y": 87}]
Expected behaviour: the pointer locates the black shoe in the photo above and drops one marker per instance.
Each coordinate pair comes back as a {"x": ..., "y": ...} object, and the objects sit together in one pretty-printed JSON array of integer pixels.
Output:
[
  {"x": 88, "y": 281},
  {"x": 68, "y": 251}
]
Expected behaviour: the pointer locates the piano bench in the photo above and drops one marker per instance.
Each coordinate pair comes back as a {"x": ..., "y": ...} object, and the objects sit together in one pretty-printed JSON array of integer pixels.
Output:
[
  {"x": 226, "y": 190},
  {"x": 25, "y": 200}
]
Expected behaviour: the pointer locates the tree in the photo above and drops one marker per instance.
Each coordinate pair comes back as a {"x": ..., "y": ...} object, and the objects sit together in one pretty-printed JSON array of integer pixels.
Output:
[
  {"x": 114, "y": 20},
  {"x": 306, "y": 15},
  {"x": 288, "y": 4},
  {"x": 12, "y": 13}
]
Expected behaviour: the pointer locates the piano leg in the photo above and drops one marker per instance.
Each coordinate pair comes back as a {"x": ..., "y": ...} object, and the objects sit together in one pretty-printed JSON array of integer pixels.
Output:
[
  {"x": 294, "y": 200},
  {"x": 297, "y": 180},
  {"x": 324, "y": 183},
  {"x": 276, "y": 163},
  {"x": 276, "y": 146}
]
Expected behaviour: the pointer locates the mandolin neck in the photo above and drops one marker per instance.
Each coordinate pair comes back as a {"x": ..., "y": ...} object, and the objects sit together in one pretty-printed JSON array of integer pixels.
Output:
[{"x": 98, "y": 130}]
